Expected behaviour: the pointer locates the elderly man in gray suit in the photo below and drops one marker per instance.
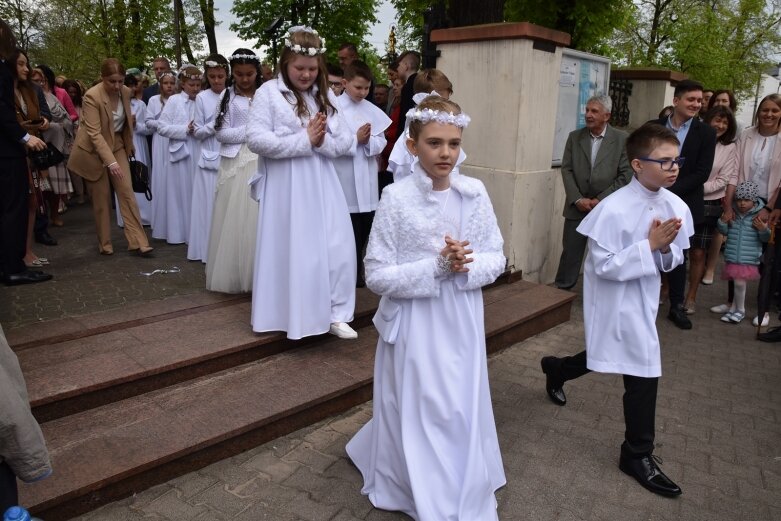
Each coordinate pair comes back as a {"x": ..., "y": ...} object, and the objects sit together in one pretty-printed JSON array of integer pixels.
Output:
[{"x": 594, "y": 166}]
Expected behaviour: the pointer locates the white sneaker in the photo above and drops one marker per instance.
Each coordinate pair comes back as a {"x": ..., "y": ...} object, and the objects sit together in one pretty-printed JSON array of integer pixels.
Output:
[
  {"x": 342, "y": 330},
  {"x": 721, "y": 308},
  {"x": 765, "y": 321}
]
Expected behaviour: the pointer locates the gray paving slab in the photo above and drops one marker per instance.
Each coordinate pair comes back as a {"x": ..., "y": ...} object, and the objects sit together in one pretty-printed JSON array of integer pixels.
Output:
[{"x": 86, "y": 282}]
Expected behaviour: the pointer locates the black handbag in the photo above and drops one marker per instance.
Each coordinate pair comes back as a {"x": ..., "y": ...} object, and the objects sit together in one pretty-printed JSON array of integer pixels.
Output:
[
  {"x": 48, "y": 157},
  {"x": 139, "y": 176}
]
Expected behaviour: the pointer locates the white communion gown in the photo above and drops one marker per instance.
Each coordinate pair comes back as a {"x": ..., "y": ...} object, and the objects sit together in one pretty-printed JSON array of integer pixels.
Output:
[
  {"x": 231, "y": 251},
  {"x": 183, "y": 151},
  {"x": 159, "y": 155},
  {"x": 205, "y": 175},
  {"x": 431, "y": 449},
  {"x": 305, "y": 262}
]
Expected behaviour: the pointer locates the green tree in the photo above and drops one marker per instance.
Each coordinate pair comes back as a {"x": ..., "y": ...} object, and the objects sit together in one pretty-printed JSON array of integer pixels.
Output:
[
  {"x": 721, "y": 43},
  {"x": 337, "y": 20},
  {"x": 74, "y": 36},
  {"x": 589, "y": 22}
]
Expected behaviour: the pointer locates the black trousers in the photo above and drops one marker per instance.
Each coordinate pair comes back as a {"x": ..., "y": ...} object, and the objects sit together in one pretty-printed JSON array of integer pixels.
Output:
[
  {"x": 677, "y": 282},
  {"x": 9, "y": 494},
  {"x": 362, "y": 226},
  {"x": 14, "y": 190},
  {"x": 572, "y": 252},
  {"x": 639, "y": 405}
]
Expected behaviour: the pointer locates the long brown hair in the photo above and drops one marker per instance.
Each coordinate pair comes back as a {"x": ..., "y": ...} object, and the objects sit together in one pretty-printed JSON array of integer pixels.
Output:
[
  {"x": 306, "y": 39},
  {"x": 7, "y": 41}
]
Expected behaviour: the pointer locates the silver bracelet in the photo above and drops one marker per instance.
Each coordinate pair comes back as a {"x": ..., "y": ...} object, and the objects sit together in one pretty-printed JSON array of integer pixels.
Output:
[{"x": 443, "y": 265}]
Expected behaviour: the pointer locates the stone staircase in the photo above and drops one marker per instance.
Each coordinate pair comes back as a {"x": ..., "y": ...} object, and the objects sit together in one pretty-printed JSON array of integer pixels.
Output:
[{"x": 133, "y": 397}]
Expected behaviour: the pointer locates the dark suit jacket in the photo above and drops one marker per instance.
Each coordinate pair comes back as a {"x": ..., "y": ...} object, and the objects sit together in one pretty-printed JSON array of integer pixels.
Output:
[
  {"x": 152, "y": 90},
  {"x": 11, "y": 132},
  {"x": 698, "y": 151},
  {"x": 610, "y": 172}
]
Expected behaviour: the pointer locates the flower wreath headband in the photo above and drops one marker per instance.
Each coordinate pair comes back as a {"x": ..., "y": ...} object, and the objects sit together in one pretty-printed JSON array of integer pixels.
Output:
[
  {"x": 167, "y": 74},
  {"x": 438, "y": 116},
  {"x": 305, "y": 51}
]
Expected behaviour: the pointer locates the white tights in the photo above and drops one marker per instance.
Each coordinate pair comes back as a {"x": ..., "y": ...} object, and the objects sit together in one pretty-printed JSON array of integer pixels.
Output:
[{"x": 739, "y": 302}]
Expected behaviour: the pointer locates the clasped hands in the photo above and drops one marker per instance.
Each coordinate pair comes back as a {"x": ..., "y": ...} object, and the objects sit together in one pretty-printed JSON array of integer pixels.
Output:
[
  {"x": 316, "y": 129},
  {"x": 364, "y": 133},
  {"x": 662, "y": 234},
  {"x": 456, "y": 253}
]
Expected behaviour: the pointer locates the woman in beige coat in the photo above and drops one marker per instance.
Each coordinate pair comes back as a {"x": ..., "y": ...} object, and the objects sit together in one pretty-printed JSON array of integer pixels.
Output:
[{"x": 100, "y": 155}]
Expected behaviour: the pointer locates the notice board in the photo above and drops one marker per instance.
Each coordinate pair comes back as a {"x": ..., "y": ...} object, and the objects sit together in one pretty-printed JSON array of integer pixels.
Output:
[{"x": 581, "y": 76}]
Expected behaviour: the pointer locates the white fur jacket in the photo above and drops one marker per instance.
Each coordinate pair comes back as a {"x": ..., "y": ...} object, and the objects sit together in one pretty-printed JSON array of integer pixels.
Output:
[
  {"x": 405, "y": 239},
  {"x": 275, "y": 131}
]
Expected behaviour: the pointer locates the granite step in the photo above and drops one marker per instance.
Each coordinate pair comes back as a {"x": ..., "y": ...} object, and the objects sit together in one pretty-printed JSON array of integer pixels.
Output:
[
  {"x": 111, "y": 358},
  {"x": 108, "y": 452}
]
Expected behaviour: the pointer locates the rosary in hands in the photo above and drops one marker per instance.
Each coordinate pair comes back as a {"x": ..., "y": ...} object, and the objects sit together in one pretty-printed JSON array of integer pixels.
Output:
[
  {"x": 316, "y": 129},
  {"x": 453, "y": 256}
]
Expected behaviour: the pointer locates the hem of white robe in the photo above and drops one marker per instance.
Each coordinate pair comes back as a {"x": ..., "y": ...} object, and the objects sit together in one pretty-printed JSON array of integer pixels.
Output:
[
  {"x": 598, "y": 366},
  {"x": 283, "y": 330},
  {"x": 414, "y": 515}
]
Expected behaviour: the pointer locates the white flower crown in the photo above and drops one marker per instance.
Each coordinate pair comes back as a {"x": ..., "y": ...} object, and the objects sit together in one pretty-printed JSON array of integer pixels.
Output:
[
  {"x": 192, "y": 76},
  {"x": 245, "y": 57},
  {"x": 167, "y": 73},
  {"x": 305, "y": 51},
  {"x": 438, "y": 116}
]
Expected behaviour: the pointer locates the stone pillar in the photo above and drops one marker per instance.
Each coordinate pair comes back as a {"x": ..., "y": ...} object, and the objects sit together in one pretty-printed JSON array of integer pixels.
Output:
[
  {"x": 505, "y": 76},
  {"x": 652, "y": 90}
]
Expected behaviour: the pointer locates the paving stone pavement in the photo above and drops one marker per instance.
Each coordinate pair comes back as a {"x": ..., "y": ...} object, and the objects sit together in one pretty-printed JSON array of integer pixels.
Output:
[
  {"x": 718, "y": 433},
  {"x": 86, "y": 282},
  {"x": 718, "y": 419}
]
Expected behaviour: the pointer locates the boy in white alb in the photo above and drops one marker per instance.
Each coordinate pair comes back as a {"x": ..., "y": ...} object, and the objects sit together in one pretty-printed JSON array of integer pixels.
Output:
[
  {"x": 633, "y": 234},
  {"x": 358, "y": 171}
]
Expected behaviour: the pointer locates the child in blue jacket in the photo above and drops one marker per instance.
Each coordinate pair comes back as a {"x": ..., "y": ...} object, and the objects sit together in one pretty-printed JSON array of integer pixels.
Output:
[{"x": 745, "y": 235}]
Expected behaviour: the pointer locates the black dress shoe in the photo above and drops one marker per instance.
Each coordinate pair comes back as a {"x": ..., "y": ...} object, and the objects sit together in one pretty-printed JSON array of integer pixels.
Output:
[
  {"x": 554, "y": 389},
  {"x": 771, "y": 335},
  {"x": 45, "y": 239},
  {"x": 26, "y": 277},
  {"x": 678, "y": 316},
  {"x": 649, "y": 475}
]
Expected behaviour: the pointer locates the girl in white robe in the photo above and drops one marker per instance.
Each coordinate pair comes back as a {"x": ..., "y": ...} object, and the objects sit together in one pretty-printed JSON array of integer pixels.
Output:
[
  {"x": 305, "y": 265},
  {"x": 205, "y": 175},
  {"x": 431, "y": 449},
  {"x": 177, "y": 124},
  {"x": 154, "y": 109},
  {"x": 140, "y": 132},
  {"x": 231, "y": 252}
]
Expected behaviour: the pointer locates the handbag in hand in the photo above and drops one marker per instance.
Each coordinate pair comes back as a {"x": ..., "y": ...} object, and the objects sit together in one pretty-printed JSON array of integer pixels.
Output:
[
  {"x": 139, "y": 176},
  {"x": 48, "y": 157}
]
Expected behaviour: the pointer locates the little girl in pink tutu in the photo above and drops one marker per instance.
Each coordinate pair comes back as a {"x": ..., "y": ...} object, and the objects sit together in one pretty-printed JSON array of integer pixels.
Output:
[{"x": 745, "y": 235}]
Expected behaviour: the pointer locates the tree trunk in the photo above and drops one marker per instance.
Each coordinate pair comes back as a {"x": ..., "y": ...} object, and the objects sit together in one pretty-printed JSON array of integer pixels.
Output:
[
  {"x": 207, "y": 12},
  {"x": 185, "y": 38}
]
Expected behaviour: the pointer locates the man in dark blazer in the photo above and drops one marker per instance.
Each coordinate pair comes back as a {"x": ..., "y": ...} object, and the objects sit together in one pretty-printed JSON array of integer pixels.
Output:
[
  {"x": 14, "y": 185},
  {"x": 594, "y": 165},
  {"x": 159, "y": 66},
  {"x": 698, "y": 146}
]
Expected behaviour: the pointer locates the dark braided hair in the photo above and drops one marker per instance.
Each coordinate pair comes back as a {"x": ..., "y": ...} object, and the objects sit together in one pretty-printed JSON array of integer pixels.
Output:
[{"x": 226, "y": 94}]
